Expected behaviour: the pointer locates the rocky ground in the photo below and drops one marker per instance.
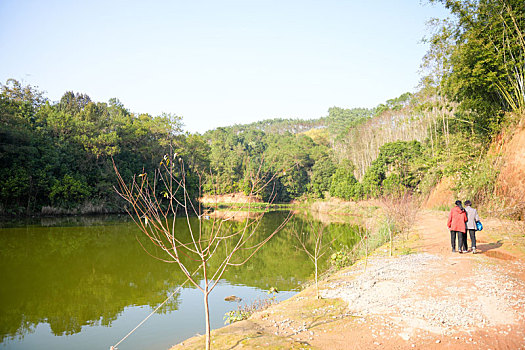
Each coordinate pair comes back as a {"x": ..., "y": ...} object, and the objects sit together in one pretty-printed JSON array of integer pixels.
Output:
[{"x": 430, "y": 298}]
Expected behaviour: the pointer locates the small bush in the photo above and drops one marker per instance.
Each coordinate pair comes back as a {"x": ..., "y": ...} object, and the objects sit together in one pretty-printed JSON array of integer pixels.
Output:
[
  {"x": 245, "y": 311},
  {"x": 341, "y": 259},
  {"x": 68, "y": 191},
  {"x": 477, "y": 180}
]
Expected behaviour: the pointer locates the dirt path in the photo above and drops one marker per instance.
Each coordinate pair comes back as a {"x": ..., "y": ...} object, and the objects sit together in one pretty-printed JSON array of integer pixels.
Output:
[{"x": 432, "y": 298}]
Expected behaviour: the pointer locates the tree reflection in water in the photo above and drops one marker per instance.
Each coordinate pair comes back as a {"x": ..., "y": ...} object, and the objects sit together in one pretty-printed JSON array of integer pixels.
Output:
[{"x": 86, "y": 271}]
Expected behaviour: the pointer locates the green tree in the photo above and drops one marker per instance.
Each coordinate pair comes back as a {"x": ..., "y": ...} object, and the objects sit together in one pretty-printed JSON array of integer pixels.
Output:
[
  {"x": 485, "y": 65},
  {"x": 344, "y": 184},
  {"x": 46, "y": 148},
  {"x": 340, "y": 119},
  {"x": 321, "y": 178},
  {"x": 68, "y": 191},
  {"x": 397, "y": 168}
]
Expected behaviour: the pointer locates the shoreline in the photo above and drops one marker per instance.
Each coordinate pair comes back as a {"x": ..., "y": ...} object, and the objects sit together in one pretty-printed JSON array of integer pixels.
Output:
[{"x": 385, "y": 301}]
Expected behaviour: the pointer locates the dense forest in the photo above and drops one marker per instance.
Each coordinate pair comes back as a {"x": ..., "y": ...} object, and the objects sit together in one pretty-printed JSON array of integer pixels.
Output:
[{"x": 57, "y": 156}]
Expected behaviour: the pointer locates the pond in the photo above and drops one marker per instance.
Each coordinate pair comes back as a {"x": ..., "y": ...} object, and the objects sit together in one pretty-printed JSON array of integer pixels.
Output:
[{"x": 85, "y": 282}]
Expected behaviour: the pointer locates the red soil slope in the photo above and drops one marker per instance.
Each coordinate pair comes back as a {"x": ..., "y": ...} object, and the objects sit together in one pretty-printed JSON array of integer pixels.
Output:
[{"x": 511, "y": 180}]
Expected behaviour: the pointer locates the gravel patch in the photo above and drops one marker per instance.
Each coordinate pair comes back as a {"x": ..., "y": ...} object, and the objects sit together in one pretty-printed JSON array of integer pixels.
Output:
[
  {"x": 391, "y": 286},
  {"x": 492, "y": 281}
]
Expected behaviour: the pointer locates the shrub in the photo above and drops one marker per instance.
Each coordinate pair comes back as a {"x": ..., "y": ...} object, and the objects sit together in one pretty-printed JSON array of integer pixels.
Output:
[{"x": 68, "y": 191}]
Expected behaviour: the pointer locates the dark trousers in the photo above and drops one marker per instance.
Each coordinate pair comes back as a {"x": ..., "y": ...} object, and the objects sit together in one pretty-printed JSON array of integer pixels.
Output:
[
  {"x": 472, "y": 238},
  {"x": 453, "y": 239},
  {"x": 462, "y": 238}
]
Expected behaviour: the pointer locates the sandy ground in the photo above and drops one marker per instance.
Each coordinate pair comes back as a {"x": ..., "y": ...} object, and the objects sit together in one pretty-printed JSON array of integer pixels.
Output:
[{"x": 428, "y": 299}]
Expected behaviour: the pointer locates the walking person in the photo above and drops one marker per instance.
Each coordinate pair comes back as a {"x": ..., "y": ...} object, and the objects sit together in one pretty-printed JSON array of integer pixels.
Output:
[
  {"x": 472, "y": 218},
  {"x": 456, "y": 224}
]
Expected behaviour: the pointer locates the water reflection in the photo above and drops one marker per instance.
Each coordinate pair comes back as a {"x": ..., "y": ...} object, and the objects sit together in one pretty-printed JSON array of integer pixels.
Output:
[
  {"x": 87, "y": 271},
  {"x": 75, "y": 276}
]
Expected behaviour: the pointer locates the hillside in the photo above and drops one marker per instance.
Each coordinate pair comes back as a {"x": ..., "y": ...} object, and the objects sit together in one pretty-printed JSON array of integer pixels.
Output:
[
  {"x": 511, "y": 179},
  {"x": 507, "y": 156}
]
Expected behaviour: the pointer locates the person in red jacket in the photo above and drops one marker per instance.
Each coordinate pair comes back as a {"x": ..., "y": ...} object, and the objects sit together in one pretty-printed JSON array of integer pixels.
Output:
[{"x": 456, "y": 224}]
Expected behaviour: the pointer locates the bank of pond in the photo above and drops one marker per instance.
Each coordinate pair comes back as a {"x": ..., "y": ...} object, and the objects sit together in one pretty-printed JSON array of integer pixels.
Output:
[{"x": 85, "y": 282}]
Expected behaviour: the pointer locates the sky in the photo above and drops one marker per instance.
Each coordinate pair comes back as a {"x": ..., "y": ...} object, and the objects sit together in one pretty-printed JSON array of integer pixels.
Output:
[{"x": 218, "y": 62}]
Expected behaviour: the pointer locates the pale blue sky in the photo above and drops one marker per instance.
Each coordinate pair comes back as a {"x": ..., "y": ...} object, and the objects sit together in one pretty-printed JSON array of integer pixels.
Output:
[{"x": 218, "y": 63}]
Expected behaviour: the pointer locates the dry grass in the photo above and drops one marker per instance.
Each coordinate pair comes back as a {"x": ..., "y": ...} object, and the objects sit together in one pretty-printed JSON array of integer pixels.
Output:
[
  {"x": 515, "y": 211},
  {"x": 87, "y": 208},
  {"x": 511, "y": 233}
]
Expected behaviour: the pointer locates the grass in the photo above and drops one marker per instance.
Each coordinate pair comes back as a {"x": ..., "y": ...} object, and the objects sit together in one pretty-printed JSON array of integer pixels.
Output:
[
  {"x": 442, "y": 207},
  {"x": 245, "y": 311},
  {"x": 511, "y": 232}
]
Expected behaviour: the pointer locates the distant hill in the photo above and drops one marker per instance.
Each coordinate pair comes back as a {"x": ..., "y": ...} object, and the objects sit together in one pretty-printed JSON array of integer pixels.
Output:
[{"x": 338, "y": 122}]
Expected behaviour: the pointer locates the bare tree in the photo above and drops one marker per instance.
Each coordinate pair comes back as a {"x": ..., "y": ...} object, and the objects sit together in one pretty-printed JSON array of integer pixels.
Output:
[
  {"x": 213, "y": 244},
  {"x": 401, "y": 210},
  {"x": 312, "y": 241},
  {"x": 362, "y": 143},
  {"x": 365, "y": 238}
]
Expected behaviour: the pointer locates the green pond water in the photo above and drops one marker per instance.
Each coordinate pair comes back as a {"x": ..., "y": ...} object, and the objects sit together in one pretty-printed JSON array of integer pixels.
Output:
[{"x": 85, "y": 282}]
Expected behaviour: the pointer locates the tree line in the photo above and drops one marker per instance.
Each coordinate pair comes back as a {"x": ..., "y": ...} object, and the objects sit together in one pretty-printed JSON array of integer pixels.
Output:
[{"x": 58, "y": 156}]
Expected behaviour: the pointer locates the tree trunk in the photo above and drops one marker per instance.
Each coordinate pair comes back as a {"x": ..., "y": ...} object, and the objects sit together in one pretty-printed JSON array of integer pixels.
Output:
[
  {"x": 366, "y": 250},
  {"x": 207, "y": 316},
  {"x": 391, "y": 240},
  {"x": 316, "y": 280},
  {"x": 206, "y": 293}
]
